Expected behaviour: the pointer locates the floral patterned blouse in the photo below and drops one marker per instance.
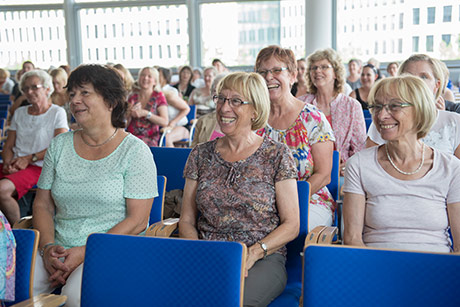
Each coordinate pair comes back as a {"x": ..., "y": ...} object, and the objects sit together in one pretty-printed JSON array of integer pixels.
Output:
[
  {"x": 310, "y": 127},
  {"x": 142, "y": 127},
  {"x": 7, "y": 260},
  {"x": 348, "y": 124},
  {"x": 236, "y": 200}
]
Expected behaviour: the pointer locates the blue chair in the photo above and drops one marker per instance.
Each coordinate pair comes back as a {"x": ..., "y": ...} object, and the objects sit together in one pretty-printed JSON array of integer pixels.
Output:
[
  {"x": 156, "y": 213},
  {"x": 26, "y": 252},
  {"x": 293, "y": 290},
  {"x": 191, "y": 117},
  {"x": 350, "y": 276},
  {"x": 368, "y": 121},
  {"x": 124, "y": 270},
  {"x": 170, "y": 162},
  {"x": 367, "y": 114},
  {"x": 334, "y": 185}
]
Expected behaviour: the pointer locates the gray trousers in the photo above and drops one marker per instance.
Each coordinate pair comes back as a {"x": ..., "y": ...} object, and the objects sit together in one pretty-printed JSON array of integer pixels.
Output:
[{"x": 266, "y": 281}]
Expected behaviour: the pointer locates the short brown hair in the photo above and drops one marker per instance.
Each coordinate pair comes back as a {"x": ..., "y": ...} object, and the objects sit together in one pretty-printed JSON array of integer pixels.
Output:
[{"x": 281, "y": 54}]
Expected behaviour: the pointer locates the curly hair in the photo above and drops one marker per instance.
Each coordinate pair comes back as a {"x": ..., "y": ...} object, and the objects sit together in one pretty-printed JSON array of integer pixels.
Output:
[{"x": 332, "y": 57}]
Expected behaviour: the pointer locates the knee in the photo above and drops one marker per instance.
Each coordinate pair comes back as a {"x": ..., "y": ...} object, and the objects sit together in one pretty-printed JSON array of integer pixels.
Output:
[{"x": 7, "y": 189}]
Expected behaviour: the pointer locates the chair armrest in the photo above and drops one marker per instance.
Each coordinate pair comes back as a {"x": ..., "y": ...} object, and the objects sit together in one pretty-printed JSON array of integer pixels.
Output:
[
  {"x": 24, "y": 223},
  {"x": 163, "y": 228},
  {"x": 49, "y": 300},
  {"x": 313, "y": 235},
  {"x": 327, "y": 235}
]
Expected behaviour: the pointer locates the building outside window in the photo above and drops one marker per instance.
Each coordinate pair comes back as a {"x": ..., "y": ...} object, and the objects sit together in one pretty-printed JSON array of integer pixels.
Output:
[
  {"x": 415, "y": 42},
  {"x": 431, "y": 14},
  {"x": 447, "y": 17},
  {"x": 416, "y": 16},
  {"x": 429, "y": 43}
]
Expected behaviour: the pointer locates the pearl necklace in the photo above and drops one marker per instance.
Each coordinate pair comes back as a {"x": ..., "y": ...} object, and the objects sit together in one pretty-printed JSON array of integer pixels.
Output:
[
  {"x": 403, "y": 172},
  {"x": 103, "y": 143}
]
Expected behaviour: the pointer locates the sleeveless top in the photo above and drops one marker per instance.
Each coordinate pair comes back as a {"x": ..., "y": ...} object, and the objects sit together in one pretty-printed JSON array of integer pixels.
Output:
[{"x": 361, "y": 101}]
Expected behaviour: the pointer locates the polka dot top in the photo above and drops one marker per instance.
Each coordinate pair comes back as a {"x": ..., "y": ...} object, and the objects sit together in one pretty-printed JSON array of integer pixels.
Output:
[{"x": 90, "y": 196}]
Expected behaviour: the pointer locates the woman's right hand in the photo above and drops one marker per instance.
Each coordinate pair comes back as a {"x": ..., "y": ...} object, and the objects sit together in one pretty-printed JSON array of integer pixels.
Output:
[{"x": 55, "y": 267}]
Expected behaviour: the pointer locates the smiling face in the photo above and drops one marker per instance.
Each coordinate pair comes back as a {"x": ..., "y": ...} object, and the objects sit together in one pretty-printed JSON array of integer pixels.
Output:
[
  {"x": 146, "y": 79},
  {"x": 323, "y": 79},
  {"x": 368, "y": 77},
  {"x": 393, "y": 125},
  {"x": 353, "y": 68},
  {"x": 34, "y": 91},
  {"x": 87, "y": 106},
  {"x": 279, "y": 85},
  {"x": 234, "y": 121},
  {"x": 423, "y": 70}
]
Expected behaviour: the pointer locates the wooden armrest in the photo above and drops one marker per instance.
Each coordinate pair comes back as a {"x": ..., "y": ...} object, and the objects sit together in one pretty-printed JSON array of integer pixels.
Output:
[
  {"x": 24, "y": 223},
  {"x": 327, "y": 235},
  {"x": 48, "y": 300},
  {"x": 162, "y": 228},
  {"x": 313, "y": 236}
]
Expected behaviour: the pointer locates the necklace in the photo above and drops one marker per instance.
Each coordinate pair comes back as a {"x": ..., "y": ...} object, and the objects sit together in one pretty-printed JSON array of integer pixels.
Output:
[
  {"x": 403, "y": 172},
  {"x": 103, "y": 143}
]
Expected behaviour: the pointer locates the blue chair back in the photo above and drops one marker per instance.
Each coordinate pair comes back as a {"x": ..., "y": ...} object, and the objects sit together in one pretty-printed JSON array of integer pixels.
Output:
[
  {"x": 334, "y": 185},
  {"x": 292, "y": 292},
  {"x": 368, "y": 123},
  {"x": 156, "y": 213},
  {"x": 124, "y": 270},
  {"x": 192, "y": 114},
  {"x": 170, "y": 162},
  {"x": 367, "y": 114},
  {"x": 371, "y": 277},
  {"x": 26, "y": 251}
]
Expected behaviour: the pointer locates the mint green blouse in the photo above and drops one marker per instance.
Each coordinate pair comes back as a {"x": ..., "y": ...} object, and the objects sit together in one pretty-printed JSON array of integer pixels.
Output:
[{"x": 90, "y": 196}]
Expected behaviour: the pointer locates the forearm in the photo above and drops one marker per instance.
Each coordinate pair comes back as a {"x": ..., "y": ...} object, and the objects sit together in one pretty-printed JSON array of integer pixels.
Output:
[
  {"x": 187, "y": 230},
  {"x": 43, "y": 221},
  {"x": 318, "y": 181},
  {"x": 157, "y": 120},
  {"x": 283, "y": 234},
  {"x": 129, "y": 226},
  {"x": 350, "y": 238},
  {"x": 179, "y": 116}
]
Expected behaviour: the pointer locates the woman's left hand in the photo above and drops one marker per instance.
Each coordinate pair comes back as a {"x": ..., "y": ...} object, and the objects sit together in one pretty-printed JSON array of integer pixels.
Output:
[
  {"x": 20, "y": 163},
  {"x": 253, "y": 256}
]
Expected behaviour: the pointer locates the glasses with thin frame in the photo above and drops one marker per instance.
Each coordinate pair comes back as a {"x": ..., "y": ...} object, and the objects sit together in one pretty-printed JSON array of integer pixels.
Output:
[
  {"x": 274, "y": 71},
  {"x": 32, "y": 87},
  {"x": 320, "y": 67},
  {"x": 392, "y": 108},
  {"x": 233, "y": 102}
]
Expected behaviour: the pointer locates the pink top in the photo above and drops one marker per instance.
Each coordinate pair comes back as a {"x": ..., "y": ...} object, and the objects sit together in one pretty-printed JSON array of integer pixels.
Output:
[
  {"x": 215, "y": 134},
  {"x": 348, "y": 124}
]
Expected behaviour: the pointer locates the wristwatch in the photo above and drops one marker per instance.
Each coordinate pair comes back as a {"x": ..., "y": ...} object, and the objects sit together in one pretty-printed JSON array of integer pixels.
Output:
[
  {"x": 264, "y": 247},
  {"x": 149, "y": 115},
  {"x": 34, "y": 158}
]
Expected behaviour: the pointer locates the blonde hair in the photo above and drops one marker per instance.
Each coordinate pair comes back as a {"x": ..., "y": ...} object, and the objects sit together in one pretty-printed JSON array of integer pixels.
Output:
[
  {"x": 60, "y": 75},
  {"x": 156, "y": 76},
  {"x": 409, "y": 89},
  {"x": 252, "y": 87},
  {"x": 332, "y": 57},
  {"x": 128, "y": 79},
  {"x": 4, "y": 73}
]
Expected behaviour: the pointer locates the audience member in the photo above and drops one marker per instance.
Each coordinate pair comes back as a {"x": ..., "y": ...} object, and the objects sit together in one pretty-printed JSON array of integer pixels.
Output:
[
  {"x": 185, "y": 86},
  {"x": 242, "y": 187},
  {"x": 392, "y": 69},
  {"x": 302, "y": 127},
  {"x": 354, "y": 74},
  {"x": 19, "y": 99},
  {"x": 446, "y": 93},
  {"x": 99, "y": 179},
  {"x": 177, "y": 110},
  {"x": 445, "y": 133},
  {"x": 219, "y": 66},
  {"x": 149, "y": 109},
  {"x": 66, "y": 69},
  {"x": 376, "y": 64},
  {"x": 60, "y": 96},
  {"x": 32, "y": 128},
  {"x": 197, "y": 78},
  {"x": 299, "y": 88},
  {"x": 201, "y": 97},
  {"x": 368, "y": 78},
  {"x": 6, "y": 84},
  {"x": 128, "y": 79},
  {"x": 7, "y": 261},
  {"x": 326, "y": 79},
  {"x": 403, "y": 194}
]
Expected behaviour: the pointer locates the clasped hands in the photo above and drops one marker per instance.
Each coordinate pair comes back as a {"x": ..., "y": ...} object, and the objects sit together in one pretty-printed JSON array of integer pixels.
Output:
[
  {"x": 60, "y": 270},
  {"x": 15, "y": 165}
]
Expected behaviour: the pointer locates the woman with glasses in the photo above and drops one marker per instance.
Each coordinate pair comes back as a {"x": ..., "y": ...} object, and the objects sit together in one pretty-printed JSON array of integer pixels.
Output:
[
  {"x": 403, "y": 194},
  {"x": 302, "y": 127},
  {"x": 30, "y": 133},
  {"x": 241, "y": 187},
  {"x": 326, "y": 80},
  {"x": 444, "y": 135}
]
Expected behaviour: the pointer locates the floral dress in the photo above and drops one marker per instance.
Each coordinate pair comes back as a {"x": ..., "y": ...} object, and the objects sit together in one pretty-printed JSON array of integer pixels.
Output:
[
  {"x": 310, "y": 127},
  {"x": 236, "y": 200},
  {"x": 142, "y": 127},
  {"x": 7, "y": 260}
]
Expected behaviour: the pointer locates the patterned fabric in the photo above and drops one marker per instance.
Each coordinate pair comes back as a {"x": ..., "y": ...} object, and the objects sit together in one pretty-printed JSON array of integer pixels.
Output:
[
  {"x": 309, "y": 128},
  {"x": 348, "y": 124},
  {"x": 90, "y": 195},
  {"x": 142, "y": 127},
  {"x": 236, "y": 200},
  {"x": 7, "y": 260}
]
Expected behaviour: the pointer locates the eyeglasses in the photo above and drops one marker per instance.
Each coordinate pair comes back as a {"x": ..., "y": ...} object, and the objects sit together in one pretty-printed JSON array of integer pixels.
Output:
[
  {"x": 275, "y": 71},
  {"x": 32, "y": 87},
  {"x": 233, "y": 102},
  {"x": 390, "y": 107},
  {"x": 320, "y": 67}
]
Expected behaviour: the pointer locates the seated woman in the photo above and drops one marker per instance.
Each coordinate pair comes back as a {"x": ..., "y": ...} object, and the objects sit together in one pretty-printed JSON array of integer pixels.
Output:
[
  {"x": 299, "y": 88},
  {"x": 326, "y": 79},
  {"x": 32, "y": 128},
  {"x": 177, "y": 109},
  {"x": 300, "y": 126},
  {"x": 149, "y": 109},
  {"x": 7, "y": 261},
  {"x": 185, "y": 86},
  {"x": 368, "y": 77},
  {"x": 403, "y": 194},
  {"x": 242, "y": 187},
  {"x": 60, "y": 96},
  {"x": 128, "y": 79},
  {"x": 96, "y": 179},
  {"x": 202, "y": 97}
]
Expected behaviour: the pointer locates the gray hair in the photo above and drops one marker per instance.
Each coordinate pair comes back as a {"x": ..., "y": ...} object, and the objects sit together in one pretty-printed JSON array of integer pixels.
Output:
[{"x": 44, "y": 77}]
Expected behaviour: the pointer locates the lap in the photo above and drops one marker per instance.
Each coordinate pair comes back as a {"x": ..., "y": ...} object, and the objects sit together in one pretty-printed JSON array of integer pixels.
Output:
[
  {"x": 266, "y": 280},
  {"x": 23, "y": 180}
]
